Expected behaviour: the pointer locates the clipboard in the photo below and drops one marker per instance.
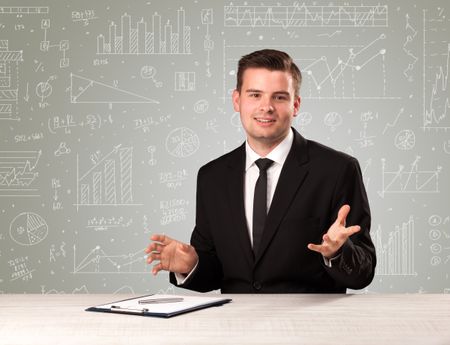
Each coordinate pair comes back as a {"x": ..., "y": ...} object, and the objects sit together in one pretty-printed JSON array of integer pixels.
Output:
[{"x": 157, "y": 305}]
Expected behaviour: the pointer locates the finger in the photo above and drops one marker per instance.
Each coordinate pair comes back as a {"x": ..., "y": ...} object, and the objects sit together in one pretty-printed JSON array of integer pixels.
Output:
[
  {"x": 353, "y": 230},
  {"x": 157, "y": 268},
  {"x": 151, "y": 247},
  {"x": 161, "y": 238},
  {"x": 154, "y": 247},
  {"x": 316, "y": 247},
  {"x": 342, "y": 214},
  {"x": 153, "y": 256}
]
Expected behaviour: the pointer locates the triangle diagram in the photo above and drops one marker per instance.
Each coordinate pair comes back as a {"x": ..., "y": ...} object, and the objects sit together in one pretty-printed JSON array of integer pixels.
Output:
[{"x": 84, "y": 90}]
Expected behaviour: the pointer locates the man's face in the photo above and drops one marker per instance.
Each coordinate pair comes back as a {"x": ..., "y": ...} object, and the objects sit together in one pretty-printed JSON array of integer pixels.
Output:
[{"x": 267, "y": 105}]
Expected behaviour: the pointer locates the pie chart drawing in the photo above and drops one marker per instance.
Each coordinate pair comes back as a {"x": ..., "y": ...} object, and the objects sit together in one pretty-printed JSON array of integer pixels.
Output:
[
  {"x": 28, "y": 229},
  {"x": 405, "y": 140},
  {"x": 182, "y": 142}
]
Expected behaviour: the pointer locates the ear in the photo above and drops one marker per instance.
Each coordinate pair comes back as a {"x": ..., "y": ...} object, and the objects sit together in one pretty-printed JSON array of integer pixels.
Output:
[
  {"x": 297, "y": 102},
  {"x": 236, "y": 100}
]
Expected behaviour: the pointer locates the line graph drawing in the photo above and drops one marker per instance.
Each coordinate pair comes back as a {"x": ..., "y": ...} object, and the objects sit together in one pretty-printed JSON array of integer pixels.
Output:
[
  {"x": 301, "y": 15},
  {"x": 9, "y": 77},
  {"x": 436, "y": 62},
  {"x": 322, "y": 73},
  {"x": 109, "y": 181},
  {"x": 409, "y": 181},
  {"x": 136, "y": 41},
  {"x": 338, "y": 72},
  {"x": 395, "y": 257},
  {"x": 85, "y": 90},
  {"x": 18, "y": 173},
  {"x": 98, "y": 261},
  {"x": 391, "y": 125}
]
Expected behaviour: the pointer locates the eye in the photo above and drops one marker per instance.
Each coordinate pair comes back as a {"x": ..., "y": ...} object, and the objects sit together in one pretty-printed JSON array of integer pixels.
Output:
[
  {"x": 280, "y": 97},
  {"x": 254, "y": 95}
]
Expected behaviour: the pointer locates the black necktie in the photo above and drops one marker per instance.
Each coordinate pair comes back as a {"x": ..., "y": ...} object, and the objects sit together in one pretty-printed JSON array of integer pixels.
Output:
[{"x": 260, "y": 202}]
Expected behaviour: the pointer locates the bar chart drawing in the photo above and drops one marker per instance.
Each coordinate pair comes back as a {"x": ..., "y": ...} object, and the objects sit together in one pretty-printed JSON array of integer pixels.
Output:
[
  {"x": 395, "y": 257},
  {"x": 301, "y": 15},
  {"x": 108, "y": 182},
  {"x": 161, "y": 39},
  {"x": 184, "y": 81}
]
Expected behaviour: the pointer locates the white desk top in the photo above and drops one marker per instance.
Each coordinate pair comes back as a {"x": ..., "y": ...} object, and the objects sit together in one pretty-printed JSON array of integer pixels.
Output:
[{"x": 249, "y": 319}]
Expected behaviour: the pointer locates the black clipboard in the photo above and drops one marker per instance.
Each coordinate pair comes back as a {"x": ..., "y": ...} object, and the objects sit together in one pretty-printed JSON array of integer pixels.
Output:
[{"x": 131, "y": 306}]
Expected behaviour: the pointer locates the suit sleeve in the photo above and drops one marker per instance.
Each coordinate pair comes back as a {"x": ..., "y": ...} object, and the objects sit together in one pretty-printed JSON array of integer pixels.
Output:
[
  {"x": 208, "y": 273},
  {"x": 355, "y": 266}
]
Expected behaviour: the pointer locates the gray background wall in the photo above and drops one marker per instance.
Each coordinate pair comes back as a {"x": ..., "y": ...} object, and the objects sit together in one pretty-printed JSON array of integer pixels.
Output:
[{"x": 109, "y": 108}]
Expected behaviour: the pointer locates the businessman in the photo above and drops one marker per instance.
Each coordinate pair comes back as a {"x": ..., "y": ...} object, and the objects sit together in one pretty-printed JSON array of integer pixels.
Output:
[{"x": 279, "y": 214}]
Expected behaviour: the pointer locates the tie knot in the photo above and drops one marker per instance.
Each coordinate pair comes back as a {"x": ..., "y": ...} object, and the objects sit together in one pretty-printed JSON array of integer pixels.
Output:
[{"x": 263, "y": 164}]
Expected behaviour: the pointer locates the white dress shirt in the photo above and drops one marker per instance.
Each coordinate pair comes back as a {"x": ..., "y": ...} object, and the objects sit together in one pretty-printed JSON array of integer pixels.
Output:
[{"x": 278, "y": 155}]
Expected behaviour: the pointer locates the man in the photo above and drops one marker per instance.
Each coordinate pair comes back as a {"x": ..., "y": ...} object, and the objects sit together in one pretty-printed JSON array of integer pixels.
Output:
[{"x": 273, "y": 216}]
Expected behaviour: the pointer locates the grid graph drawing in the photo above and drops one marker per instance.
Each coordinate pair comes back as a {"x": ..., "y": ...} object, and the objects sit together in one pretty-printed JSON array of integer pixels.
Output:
[{"x": 412, "y": 180}]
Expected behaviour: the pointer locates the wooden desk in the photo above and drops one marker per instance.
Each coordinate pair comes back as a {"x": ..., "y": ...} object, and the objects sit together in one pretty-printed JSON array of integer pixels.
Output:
[{"x": 249, "y": 319}]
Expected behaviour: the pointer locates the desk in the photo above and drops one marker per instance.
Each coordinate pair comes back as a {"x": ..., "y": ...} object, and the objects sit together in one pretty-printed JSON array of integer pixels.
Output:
[{"x": 249, "y": 319}]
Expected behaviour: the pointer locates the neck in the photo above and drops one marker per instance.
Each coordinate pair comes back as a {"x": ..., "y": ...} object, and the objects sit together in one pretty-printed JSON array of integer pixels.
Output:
[{"x": 263, "y": 148}]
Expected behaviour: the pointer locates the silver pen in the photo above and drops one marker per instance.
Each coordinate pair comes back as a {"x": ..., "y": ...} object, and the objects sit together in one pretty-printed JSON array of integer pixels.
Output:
[
  {"x": 118, "y": 307},
  {"x": 161, "y": 300}
]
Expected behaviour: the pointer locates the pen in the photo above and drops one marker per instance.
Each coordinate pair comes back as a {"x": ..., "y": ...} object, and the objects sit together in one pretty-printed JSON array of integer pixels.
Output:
[
  {"x": 161, "y": 300},
  {"x": 128, "y": 309}
]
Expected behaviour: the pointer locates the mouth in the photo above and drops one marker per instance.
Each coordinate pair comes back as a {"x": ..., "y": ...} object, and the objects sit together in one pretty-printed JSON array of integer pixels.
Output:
[{"x": 264, "y": 120}]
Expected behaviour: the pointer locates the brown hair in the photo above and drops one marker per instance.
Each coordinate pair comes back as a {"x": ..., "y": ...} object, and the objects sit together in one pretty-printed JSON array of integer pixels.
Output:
[{"x": 273, "y": 60}]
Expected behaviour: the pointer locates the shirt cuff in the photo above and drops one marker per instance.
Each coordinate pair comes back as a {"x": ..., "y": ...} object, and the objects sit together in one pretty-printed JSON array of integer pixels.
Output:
[
  {"x": 329, "y": 262},
  {"x": 183, "y": 278}
]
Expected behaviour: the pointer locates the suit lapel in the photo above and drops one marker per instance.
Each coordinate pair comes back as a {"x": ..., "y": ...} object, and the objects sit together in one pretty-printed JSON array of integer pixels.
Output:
[
  {"x": 291, "y": 178},
  {"x": 236, "y": 165}
]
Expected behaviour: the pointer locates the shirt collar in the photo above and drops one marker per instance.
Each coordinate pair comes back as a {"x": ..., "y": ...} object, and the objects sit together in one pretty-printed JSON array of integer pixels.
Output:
[{"x": 278, "y": 154}]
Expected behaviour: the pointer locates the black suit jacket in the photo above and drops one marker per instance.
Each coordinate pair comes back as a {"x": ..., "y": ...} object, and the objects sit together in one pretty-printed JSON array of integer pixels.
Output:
[{"x": 314, "y": 183}]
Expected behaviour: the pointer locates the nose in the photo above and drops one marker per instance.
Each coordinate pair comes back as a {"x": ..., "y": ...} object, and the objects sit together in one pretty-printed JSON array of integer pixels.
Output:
[{"x": 265, "y": 106}]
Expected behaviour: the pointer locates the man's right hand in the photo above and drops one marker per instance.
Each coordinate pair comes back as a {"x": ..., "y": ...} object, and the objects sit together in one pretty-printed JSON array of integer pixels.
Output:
[{"x": 173, "y": 255}]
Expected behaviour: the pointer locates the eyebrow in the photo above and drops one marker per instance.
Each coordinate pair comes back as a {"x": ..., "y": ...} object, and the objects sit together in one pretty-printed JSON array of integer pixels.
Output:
[{"x": 276, "y": 92}]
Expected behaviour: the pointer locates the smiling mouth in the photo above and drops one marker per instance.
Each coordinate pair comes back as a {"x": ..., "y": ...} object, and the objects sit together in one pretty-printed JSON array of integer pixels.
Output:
[{"x": 264, "y": 120}]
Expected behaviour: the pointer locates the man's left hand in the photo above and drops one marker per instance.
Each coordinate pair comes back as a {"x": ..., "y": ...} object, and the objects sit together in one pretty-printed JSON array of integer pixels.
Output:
[{"x": 336, "y": 235}]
